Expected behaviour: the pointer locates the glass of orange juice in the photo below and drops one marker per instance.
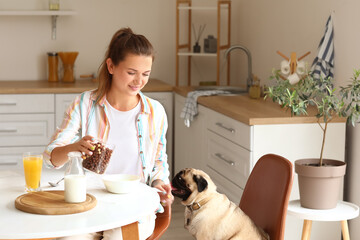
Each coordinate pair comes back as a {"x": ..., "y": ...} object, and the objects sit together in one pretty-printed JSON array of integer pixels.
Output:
[{"x": 32, "y": 170}]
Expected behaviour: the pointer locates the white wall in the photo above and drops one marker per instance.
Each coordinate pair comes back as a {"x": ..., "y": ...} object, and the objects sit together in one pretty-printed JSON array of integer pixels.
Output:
[
  {"x": 284, "y": 25},
  {"x": 25, "y": 40}
]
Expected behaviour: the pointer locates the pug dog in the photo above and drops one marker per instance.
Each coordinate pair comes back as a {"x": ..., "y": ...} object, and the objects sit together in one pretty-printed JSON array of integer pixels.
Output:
[{"x": 210, "y": 215}]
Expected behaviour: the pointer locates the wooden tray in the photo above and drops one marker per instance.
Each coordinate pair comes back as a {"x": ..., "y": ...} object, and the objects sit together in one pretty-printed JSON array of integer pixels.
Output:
[{"x": 52, "y": 203}]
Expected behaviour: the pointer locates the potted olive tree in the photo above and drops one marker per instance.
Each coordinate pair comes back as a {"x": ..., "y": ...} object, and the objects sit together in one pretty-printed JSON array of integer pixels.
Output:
[{"x": 319, "y": 179}]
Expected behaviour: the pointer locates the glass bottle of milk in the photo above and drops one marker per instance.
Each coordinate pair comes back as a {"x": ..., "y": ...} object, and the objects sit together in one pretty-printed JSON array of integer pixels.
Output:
[{"x": 75, "y": 180}]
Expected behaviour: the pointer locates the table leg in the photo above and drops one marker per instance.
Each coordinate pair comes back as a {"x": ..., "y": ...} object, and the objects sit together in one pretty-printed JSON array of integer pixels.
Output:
[
  {"x": 345, "y": 230},
  {"x": 130, "y": 232},
  {"x": 306, "y": 230}
]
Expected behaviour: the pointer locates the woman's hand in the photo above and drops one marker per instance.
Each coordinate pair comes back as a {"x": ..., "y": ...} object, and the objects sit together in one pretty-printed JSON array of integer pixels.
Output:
[
  {"x": 165, "y": 195},
  {"x": 84, "y": 145},
  {"x": 59, "y": 154}
]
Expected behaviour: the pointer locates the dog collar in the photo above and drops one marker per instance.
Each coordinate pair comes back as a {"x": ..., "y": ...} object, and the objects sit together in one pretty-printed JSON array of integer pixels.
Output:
[{"x": 197, "y": 205}]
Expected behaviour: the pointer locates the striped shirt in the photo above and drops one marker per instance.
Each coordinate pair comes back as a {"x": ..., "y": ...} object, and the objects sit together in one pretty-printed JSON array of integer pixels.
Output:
[{"x": 86, "y": 117}]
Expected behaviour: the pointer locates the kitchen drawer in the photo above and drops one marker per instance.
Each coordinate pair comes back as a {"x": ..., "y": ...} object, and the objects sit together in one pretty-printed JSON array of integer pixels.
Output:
[
  {"x": 27, "y": 103},
  {"x": 11, "y": 157},
  {"x": 229, "y": 128},
  {"x": 224, "y": 186},
  {"x": 26, "y": 129},
  {"x": 228, "y": 159}
]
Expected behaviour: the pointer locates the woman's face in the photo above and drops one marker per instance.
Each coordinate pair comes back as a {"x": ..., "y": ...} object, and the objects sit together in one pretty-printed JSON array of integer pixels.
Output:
[{"x": 130, "y": 75}]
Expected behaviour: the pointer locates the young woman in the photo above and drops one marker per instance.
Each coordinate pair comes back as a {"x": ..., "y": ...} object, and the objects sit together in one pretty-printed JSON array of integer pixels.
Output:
[{"x": 118, "y": 113}]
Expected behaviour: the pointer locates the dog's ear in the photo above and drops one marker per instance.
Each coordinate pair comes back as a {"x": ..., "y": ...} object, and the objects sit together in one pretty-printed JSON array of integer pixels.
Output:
[{"x": 200, "y": 182}]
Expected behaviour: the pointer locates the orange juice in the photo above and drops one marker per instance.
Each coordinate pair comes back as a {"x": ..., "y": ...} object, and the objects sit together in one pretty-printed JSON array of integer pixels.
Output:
[{"x": 32, "y": 171}]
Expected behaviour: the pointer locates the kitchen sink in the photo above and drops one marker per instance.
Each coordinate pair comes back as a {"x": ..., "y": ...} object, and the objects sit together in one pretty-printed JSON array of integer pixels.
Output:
[{"x": 233, "y": 90}]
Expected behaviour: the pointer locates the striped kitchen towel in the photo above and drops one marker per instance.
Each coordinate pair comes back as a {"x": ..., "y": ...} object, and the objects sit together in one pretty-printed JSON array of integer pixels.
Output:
[
  {"x": 190, "y": 109},
  {"x": 323, "y": 65}
]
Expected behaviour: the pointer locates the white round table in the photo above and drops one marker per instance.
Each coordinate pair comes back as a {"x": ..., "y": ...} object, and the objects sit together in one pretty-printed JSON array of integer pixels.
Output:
[
  {"x": 111, "y": 211},
  {"x": 342, "y": 212}
]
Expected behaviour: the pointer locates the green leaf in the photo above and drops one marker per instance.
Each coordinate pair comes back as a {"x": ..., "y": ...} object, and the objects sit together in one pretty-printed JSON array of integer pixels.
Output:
[{"x": 328, "y": 101}]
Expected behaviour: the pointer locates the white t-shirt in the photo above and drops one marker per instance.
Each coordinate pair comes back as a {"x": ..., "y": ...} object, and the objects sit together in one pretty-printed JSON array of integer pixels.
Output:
[{"x": 125, "y": 158}]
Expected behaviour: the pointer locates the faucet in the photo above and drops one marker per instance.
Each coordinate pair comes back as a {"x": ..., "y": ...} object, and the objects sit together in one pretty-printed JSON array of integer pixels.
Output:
[{"x": 249, "y": 80}]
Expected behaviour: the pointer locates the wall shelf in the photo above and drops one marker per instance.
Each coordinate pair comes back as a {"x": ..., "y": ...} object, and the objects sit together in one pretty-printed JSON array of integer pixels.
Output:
[
  {"x": 36, "y": 13},
  {"x": 54, "y": 15},
  {"x": 197, "y": 54},
  {"x": 185, "y": 48},
  {"x": 202, "y": 8}
]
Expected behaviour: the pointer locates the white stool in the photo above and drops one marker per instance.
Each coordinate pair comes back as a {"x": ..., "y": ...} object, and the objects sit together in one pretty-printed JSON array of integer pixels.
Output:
[{"x": 342, "y": 212}]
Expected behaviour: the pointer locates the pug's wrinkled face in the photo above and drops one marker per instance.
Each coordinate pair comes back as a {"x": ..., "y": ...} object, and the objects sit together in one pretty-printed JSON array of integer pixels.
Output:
[{"x": 189, "y": 183}]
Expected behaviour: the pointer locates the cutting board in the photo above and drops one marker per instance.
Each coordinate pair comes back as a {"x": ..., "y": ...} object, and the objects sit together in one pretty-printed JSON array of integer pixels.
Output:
[{"x": 52, "y": 203}]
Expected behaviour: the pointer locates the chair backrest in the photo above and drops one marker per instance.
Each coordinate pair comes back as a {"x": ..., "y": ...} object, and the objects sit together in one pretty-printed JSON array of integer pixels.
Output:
[
  {"x": 162, "y": 223},
  {"x": 266, "y": 195}
]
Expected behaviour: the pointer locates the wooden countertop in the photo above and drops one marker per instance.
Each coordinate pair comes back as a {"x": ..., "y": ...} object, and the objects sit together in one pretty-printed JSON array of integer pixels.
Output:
[
  {"x": 252, "y": 111},
  {"x": 33, "y": 87}
]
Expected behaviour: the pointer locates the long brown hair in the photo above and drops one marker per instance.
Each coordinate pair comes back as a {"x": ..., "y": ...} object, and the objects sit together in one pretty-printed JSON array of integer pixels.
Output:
[{"x": 123, "y": 42}]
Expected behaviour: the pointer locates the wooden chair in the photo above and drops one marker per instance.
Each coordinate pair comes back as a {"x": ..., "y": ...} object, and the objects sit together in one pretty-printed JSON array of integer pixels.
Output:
[
  {"x": 162, "y": 223},
  {"x": 266, "y": 195}
]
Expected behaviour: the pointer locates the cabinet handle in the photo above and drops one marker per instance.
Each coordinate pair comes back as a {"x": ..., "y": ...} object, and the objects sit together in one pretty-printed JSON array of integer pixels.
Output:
[
  {"x": 221, "y": 157},
  {"x": 8, "y": 130},
  {"x": 7, "y": 103},
  {"x": 224, "y": 127},
  {"x": 8, "y": 163}
]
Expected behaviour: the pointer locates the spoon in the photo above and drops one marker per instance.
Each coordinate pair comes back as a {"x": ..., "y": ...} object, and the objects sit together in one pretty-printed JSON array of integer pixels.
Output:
[{"x": 55, "y": 184}]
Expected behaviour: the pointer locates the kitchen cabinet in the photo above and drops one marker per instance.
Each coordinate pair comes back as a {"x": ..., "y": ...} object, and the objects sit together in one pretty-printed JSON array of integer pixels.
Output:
[
  {"x": 216, "y": 144},
  {"x": 26, "y": 124},
  {"x": 26, "y": 129},
  {"x": 228, "y": 149},
  {"x": 26, "y": 103},
  {"x": 228, "y": 156}
]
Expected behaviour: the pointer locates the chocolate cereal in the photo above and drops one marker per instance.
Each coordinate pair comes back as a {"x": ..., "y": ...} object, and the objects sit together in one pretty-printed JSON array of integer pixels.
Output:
[{"x": 98, "y": 161}]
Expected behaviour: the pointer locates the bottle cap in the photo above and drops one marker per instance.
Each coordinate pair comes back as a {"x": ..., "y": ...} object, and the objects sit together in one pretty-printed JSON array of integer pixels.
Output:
[{"x": 74, "y": 154}]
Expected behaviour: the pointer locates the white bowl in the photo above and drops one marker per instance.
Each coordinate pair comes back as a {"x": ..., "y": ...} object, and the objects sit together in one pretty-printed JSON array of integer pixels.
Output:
[{"x": 120, "y": 183}]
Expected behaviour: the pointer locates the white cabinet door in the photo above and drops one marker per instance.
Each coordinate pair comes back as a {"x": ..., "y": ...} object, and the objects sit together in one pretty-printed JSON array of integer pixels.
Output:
[
  {"x": 189, "y": 142},
  {"x": 229, "y": 128},
  {"x": 26, "y": 129},
  {"x": 26, "y": 103},
  {"x": 62, "y": 102},
  {"x": 228, "y": 159},
  {"x": 26, "y": 125},
  {"x": 166, "y": 99}
]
